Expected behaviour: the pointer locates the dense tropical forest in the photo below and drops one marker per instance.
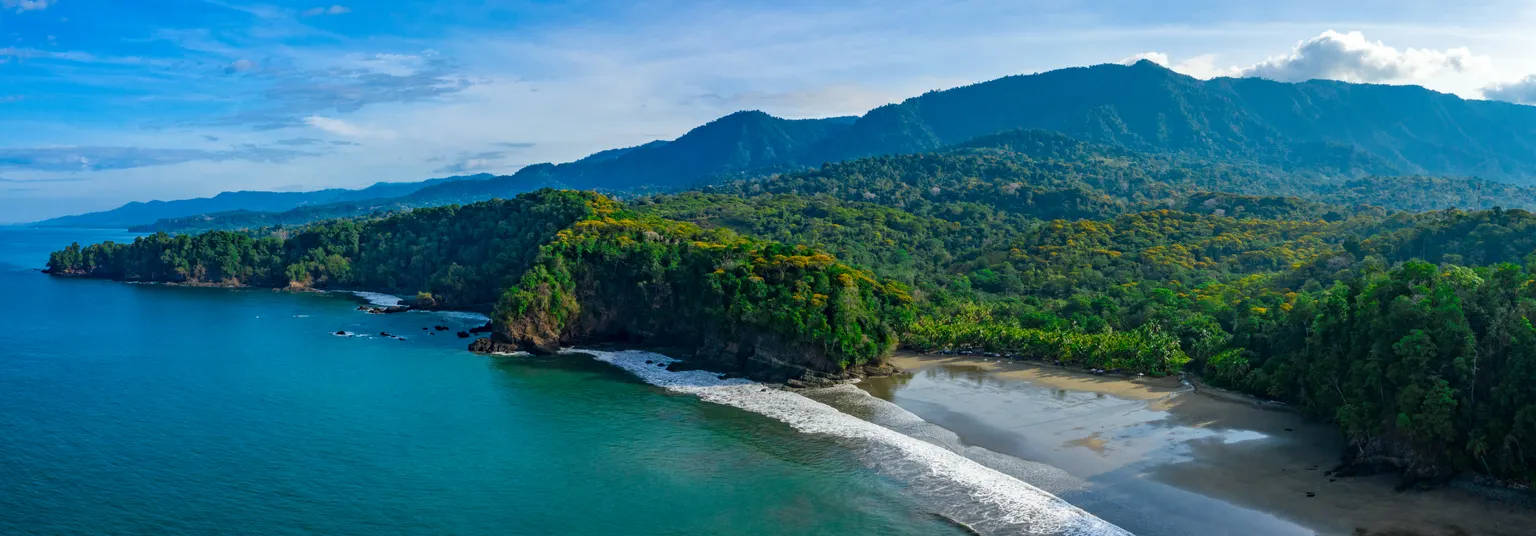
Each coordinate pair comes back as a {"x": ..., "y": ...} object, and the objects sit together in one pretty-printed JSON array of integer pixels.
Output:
[{"x": 1359, "y": 300}]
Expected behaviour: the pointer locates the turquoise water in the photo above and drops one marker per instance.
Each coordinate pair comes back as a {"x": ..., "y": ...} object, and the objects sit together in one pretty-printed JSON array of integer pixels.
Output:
[{"x": 142, "y": 409}]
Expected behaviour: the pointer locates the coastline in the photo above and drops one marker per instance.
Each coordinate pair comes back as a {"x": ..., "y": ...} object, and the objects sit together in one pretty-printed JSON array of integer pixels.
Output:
[
  {"x": 1184, "y": 448},
  {"x": 375, "y": 297},
  {"x": 968, "y": 495}
]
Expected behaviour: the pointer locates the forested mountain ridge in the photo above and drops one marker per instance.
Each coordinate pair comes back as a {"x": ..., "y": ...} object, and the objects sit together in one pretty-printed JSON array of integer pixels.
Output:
[
  {"x": 141, "y": 213},
  {"x": 1037, "y": 173},
  {"x": 1335, "y": 129},
  {"x": 1394, "y": 129},
  {"x": 1048, "y": 175}
]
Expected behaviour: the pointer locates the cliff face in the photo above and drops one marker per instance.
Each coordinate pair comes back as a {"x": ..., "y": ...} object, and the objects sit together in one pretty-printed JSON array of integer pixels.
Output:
[{"x": 765, "y": 310}]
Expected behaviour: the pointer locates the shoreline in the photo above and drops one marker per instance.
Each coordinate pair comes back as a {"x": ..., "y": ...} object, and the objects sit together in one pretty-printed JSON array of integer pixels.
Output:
[
  {"x": 967, "y": 494},
  {"x": 360, "y": 293},
  {"x": 1186, "y": 448}
]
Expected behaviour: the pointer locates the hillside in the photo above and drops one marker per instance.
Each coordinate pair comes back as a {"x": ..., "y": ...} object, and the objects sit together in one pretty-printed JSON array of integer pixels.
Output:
[
  {"x": 742, "y": 143},
  {"x": 1032, "y": 173},
  {"x": 1318, "y": 124},
  {"x": 141, "y": 213},
  {"x": 1049, "y": 175}
]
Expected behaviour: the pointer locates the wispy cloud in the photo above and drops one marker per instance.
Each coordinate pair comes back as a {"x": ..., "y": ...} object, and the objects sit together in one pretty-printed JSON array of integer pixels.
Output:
[
  {"x": 482, "y": 161},
  {"x": 109, "y": 158},
  {"x": 22, "y": 6},
  {"x": 333, "y": 10},
  {"x": 31, "y": 181},
  {"x": 241, "y": 65},
  {"x": 293, "y": 94},
  {"x": 346, "y": 129},
  {"x": 299, "y": 142}
]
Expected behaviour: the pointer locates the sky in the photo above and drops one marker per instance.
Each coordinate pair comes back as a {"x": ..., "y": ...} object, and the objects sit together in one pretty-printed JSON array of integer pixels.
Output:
[{"x": 106, "y": 102}]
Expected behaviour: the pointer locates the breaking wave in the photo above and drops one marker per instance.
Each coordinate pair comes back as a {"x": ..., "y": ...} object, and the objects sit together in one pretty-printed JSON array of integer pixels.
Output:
[
  {"x": 377, "y": 298},
  {"x": 959, "y": 488}
]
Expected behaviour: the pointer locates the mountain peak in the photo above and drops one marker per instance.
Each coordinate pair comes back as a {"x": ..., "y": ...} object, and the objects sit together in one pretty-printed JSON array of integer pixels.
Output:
[{"x": 746, "y": 116}]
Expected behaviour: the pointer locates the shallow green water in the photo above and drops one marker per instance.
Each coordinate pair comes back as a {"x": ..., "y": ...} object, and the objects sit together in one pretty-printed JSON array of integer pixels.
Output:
[{"x": 140, "y": 409}]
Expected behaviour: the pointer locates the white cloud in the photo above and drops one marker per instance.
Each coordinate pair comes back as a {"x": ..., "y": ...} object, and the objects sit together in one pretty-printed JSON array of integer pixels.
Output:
[
  {"x": 1352, "y": 58},
  {"x": 1155, "y": 57},
  {"x": 1522, "y": 91},
  {"x": 1202, "y": 66},
  {"x": 345, "y": 129},
  {"x": 333, "y": 10},
  {"x": 22, "y": 6},
  {"x": 240, "y": 66}
]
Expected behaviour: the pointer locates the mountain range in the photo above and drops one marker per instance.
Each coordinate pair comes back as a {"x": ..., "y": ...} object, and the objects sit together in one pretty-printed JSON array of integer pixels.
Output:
[
  {"x": 139, "y": 213},
  {"x": 1319, "y": 128}
]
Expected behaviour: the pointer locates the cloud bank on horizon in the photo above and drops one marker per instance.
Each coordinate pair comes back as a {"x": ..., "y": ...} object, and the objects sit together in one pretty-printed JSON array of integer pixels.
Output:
[{"x": 103, "y": 103}]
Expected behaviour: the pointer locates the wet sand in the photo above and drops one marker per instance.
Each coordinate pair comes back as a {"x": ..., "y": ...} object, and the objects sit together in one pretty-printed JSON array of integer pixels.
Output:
[{"x": 1159, "y": 458}]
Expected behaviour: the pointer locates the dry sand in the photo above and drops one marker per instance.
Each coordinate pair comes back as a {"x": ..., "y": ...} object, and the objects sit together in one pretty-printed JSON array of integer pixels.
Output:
[{"x": 1222, "y": 467}]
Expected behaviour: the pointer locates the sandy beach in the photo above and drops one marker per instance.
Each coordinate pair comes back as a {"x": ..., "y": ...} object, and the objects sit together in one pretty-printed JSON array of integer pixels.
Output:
[{"x": 1159, "y": 458}]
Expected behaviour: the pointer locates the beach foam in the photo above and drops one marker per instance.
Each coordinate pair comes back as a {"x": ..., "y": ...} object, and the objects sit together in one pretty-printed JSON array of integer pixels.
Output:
[
  {"x": 377, "y": 298},
  {"x": 466, "y": 316},
  {"x": 990, "y": 501}
]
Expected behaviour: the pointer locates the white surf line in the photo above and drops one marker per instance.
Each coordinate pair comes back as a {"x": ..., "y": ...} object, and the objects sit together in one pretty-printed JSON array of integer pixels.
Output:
[
  {"x": 390, "y": 300},
  {"x": 376, "y": 298},
  {"x": 1026, "y": 509},
  {"x": 466, "y": 316}
]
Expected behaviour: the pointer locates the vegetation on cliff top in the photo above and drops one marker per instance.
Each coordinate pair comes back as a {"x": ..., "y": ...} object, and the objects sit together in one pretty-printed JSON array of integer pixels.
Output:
[
  {"x": 463, "y": 255},
  {"x": 673, "y": 283}
]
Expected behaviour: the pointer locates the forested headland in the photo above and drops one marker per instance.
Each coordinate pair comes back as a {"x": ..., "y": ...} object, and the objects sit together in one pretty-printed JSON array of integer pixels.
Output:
[{"x": 1337, "y": 295}]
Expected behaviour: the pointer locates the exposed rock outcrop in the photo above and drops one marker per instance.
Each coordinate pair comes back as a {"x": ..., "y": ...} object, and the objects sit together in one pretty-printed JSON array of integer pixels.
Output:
[{"x": 485, "y": 345}]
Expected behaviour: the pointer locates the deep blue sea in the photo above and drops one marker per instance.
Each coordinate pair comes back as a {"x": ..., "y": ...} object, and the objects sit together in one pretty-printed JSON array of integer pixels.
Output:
[{"x": 153, "y": 410}]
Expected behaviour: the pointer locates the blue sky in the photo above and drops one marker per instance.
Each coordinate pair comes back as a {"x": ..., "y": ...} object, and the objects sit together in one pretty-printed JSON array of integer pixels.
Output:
[{"x": 107, "y": 102}]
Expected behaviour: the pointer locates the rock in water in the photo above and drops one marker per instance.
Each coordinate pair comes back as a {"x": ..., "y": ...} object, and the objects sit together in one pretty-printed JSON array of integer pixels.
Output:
[{"x": 485, "y": 345}]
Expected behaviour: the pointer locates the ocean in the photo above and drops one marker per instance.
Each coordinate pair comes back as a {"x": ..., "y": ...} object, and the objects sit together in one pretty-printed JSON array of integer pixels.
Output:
[{"x": 132, "y": 409}]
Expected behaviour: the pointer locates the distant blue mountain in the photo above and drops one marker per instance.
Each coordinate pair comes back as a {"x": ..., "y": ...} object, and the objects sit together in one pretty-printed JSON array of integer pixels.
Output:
[{"x": 139, "y": 213}]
